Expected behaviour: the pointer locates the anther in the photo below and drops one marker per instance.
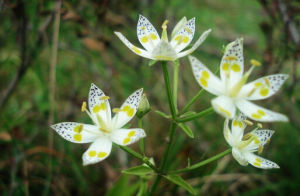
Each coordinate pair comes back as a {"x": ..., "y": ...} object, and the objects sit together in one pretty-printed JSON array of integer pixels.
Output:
[
  {"x": 248, "y": 122},
  {"x": 230, "y": 58},
  {"x": 116, "y": 110},
  {"x": 83, "y": 107},
  {"x": 255, "y": 63},
  {"x": 259, "y": 125},
  {"x": 104, "y": 98}
]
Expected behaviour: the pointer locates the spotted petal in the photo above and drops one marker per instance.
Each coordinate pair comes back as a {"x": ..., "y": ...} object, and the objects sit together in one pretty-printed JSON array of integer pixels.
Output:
[
  {"x": 263, "y": 136},
  {"x": 258, "y": 113},
  {"x": 99, "y": 104},
  {"x": 133, "y": 48},
  {"x": 184, "y": 36},
  {"x": 264, "y": 87},
  {"x": 232, "y": 64},
  {"x": 126, "y": 137},
  {"x": 237, "y": 127},
  {"x": 147, "y": 34},
  {"x": 205, "y": 77},
  {"x": 260, "y": 162},
  {"x": 224, "y": 106},
  {"x": 239, "y": 157},
  {"x": 195, "y": 46},
  {"x": 128, "y": 109},
  {"x": 76, "y": 132},
  {"x": 98, "y": 151}
]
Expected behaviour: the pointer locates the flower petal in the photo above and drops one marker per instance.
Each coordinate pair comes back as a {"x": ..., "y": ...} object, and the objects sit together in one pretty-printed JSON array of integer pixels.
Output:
[
  {"x": 206, "y": 78},
  {"x": 239, "y": 157},
  {"x": 227, "y": 132},
  {"x": 263, "y": 136},
  {"x": 196, "y": 45},
  {"x": 99, "y": 104},
  {"x": 258, "y": 113},
  {"x": 260, "y": 162},
  {"x": 133, "y": 48},
  {"x": 232, "y": 64},
  {"x": 224, "y": 106},
  {"x": 126, "y": 137},
  {"x": 147, "y": 34},
  {"x": 264, "y": 87},
  {"x": 77, "y": 132},
  {"x": 98, "y": 151},
  {"x": 178, "y": 26},
  {"x": 184, "y": 36},
  {"x": 128, "y": 109},
  {"x": 237, "y": 127}
]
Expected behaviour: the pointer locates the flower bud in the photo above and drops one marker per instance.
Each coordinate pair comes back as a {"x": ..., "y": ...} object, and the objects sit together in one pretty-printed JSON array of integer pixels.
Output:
[{"x": 144, "y": 106}]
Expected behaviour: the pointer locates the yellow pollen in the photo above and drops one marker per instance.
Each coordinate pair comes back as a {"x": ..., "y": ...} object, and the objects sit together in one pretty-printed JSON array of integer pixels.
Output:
[
  {"x": 205, "y": 74},
  {"x": 188, "y": 30},
  {"x": 116, "y": 110},
  {"x": 126, "y": 140},
  {"x": 78, "y": 128},
  {"x": 77, "y": 137},
  {"x": 135, "y": 49},
  {"x": 261, "y": 112},
  {"x": 235, "y": 68},
  {"x": 103, "y": 98},
  {"x": 267, "y": 82},
  {"x": 92, "y": 153},
  {"x": 83, "y": 107},
  {"x": 264, "y": 92},
  {"x": 255, "y": 62},
  {"x": 225, "y": 67},
  {"x": 185, "y": 39},
  {"x": 230, "y": 58},
  {"x": 203, "y": 82},
  {"x": 144, "y": 39},
  {"x": 131, "y": 133},
  {"x": 153, "y": 36},
  {"x": 102, "y": 154}
]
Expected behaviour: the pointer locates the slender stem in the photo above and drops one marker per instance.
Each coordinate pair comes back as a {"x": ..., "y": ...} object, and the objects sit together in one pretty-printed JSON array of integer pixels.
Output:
[
  {"x": 197, "y": 115},
  {"x": 139, "y": 156},
  {"x": 202, "y": 163},
  {"x": 175, "y": 83},
  {"x": 168, "y": 88},
  {"x": 191, "y": 102},
  {"x": 142, "y": 140}
]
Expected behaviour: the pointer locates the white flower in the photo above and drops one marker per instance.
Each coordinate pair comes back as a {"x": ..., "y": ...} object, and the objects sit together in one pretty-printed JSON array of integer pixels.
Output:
[
  {"x": 105, "y": 129},
  {"x": 244, "y": 146},
  {"x": 157, "y": 48},
  {"x": 232, "y": 91}
]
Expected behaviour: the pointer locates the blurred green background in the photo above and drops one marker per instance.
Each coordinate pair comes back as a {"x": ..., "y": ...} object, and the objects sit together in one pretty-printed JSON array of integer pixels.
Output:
[{"x": 88, "y": 51}]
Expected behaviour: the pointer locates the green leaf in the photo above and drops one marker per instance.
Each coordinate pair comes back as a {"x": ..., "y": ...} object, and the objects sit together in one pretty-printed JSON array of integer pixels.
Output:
[
  {"x": 186, "y": 129},
  {"x": 152, "y": 62},
  {"x": 140, "y": 170},
  {"x": 189, "y": 113},
  {"x": 123, "y": 187},
  {"x": 180, "y": 182},
  {"x": 162, "y": 114}
]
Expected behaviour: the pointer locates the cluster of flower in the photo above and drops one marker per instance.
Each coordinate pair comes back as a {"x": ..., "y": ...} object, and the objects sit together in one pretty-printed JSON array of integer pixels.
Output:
[{"x": 231, "y": 90}]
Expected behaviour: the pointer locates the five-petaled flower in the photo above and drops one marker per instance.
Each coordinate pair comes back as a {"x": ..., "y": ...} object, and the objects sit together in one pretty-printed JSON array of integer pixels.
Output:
[
  {"x": 157, "y": 48},
  {"x": 244, "y": 146},
  {"x": 105, "y": 129},
  {"x": 232, "y": 91}
]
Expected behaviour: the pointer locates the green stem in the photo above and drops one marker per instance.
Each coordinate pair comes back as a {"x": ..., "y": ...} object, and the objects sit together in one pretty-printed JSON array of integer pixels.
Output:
[
  {"x": 139, "y": 156},
  {"x": 202, "y": 163},
  {"x": 191, "y": 102},
  {"x": 175, "y": 83},
  {"x": 198, "y": 115},
  {"x": 142, "y": 140},
  {"x": 168, "y": 88}
]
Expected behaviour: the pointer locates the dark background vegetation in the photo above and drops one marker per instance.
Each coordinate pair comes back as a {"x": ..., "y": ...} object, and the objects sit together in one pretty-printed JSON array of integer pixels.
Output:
[{"x": 88, "y": 51}]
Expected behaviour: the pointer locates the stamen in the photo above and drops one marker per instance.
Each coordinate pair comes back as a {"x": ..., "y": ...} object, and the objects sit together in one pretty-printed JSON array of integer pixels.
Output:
[
  {"x": 230, "y": 58},
  {"x": 247, "y": 136},
  {"x": 116, "y": 110},
  {"x": 83, "y": 107},
  {"x": 260, "y": 149},
  {"x": 248, "y": 122},
  {"x": 259, "y": 125},
  {"x": 255, "y": 63},
  {"x": 103, "y": 98}
]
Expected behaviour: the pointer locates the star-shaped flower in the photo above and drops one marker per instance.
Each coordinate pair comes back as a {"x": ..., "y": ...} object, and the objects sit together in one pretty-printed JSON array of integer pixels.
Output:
[
  {"x": 244, "y": 146},
  {"x": 105, "y": 129},
  {"x": 232, "y": 91},
  {"x": 157, "y": 48}
]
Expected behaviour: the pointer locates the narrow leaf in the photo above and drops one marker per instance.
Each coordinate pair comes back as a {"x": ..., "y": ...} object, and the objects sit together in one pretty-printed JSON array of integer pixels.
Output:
[
  {"x": 140, "y": 170},
  {"x": 180, "y": 182},
  {"x": 186, "y": 129}
]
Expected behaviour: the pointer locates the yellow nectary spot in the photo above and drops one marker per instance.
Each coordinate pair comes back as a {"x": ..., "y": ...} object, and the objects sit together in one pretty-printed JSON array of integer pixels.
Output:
[
  {"x": 188, "y": 30},
  {"x": 226, "y": 112},
  {"x": 236, "y": 68},
  {"x": 143, "y": 27},
  {"x": 78, "y": 128},
  {"x": 185, "y": 39},
  {"x": 261, "y": 112},
  {"x": 135, "y": 49},
  {"x": 104, "y": 98},
  {"x": 230, "y": 58},
  {"x": 92, "y": 153},
  {"x": 264, "y": 92},
  {"x": 77, "y": 137},
  {"x": 97, "y": 108},
  {"x": 257, "y": 116},
  {"x": 205, "y": 74},
  {"x": 153, "y": 36},
  {"x": 257, "y": 84},
  {"x": 203, "y": 82},
  {"x": 225, "y": 67},
  {"x": 267, "y": 81},
  {"x": 237, "y": 123},
  {"x": 102, "y": 154},
  {"x": 126, "y": 140},
  {"x": 256, "y": 141},
  {"x": 128, "y": 110},
  {"x": 144, "y": 39},
  {"x": 178, "y": 38},
  {"x": 131, "y": 133},
  {"x": 257, "y": 164}
]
